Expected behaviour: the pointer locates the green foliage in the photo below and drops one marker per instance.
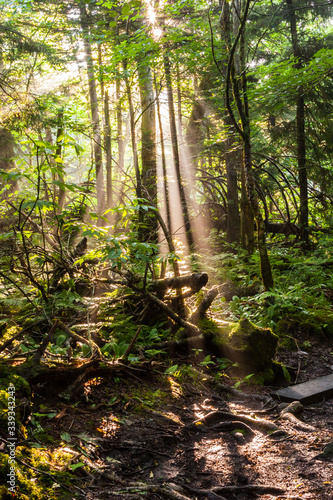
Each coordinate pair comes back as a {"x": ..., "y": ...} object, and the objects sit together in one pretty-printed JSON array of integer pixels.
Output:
[{"x": 301, "y": 297}]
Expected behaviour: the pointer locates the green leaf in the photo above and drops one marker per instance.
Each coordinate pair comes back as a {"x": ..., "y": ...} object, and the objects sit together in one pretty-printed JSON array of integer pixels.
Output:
[
  {"x": 65, "y": 436},
  {"x": 76, "y": 466},
  {"x": 126, "y": 10},
  {"x": 172, "y": 369}
]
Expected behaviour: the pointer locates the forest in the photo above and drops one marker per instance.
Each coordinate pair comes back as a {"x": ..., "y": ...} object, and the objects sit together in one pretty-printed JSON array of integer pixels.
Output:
[{"x": 166, "y": 249}]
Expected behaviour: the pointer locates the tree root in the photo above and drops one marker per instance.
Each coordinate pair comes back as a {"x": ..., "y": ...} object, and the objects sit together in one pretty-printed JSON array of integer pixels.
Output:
[
  {"x": 249, "y": 488},
  {"x": 164, "y": 491},
  {"x": 289, "y": 413},
  {"x": 215, "y": 418}
]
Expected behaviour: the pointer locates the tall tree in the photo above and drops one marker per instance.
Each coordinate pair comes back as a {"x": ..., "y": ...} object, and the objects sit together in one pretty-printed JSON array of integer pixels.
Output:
[
  {"x": 300, "y": 128},
  {"x": 239, "y": 88},
  {"x": 175, "y": 150},
  {"x": 95, "y": 120}
]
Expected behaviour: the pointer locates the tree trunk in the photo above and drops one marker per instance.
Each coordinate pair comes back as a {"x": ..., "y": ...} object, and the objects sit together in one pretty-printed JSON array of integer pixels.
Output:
[
  {"x": 84, "y": 19},
  {"x": 138, "y": 188},
  {"x": 148, "y": 151},
  {"x": 107, "y": 132},
  {"x": 148, "y": 132},
  {"x": 164, "y": 166},
  {"x": 108, "y": 152},
  {"x": 239, "y": 87},
  {"x": 61, "y": 189},
  {"x": 300, "y": 129},
  {"x": 231, "y": 160},
  {"x": 120, "y": 138},
  {"x": 174, "y": 140}
]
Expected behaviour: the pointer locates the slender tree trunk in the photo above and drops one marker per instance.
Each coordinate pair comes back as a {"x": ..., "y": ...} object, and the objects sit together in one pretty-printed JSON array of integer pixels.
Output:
[
  {"x": 107, "y": 132},
  {"x": 138, "y": 187},
  {"x": 84, "y": 19},
  {"x": 300, "y": 129},
  {"x": 108, "y": 152},
  {"x": 179, "y": 103},
  {"x": 231, "y": 162},
  {"x": 164, "y": 165},
  {"x": 175, "y": 150},
  {"x": 120, "y": 138},
  {"x": 61, "y": 189},
  {"x": 148, "y": 150},
  {"x": 239, "y": 87}
]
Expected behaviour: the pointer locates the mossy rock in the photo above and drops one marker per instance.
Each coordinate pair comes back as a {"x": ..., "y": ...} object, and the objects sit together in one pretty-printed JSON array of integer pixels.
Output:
[{"x": 252, "y": 347}]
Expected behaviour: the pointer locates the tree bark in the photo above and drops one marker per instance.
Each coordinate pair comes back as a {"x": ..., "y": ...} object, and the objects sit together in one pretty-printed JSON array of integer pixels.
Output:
[
  {"x": 239, "y": 87},
  {"x": 138, "y": 188},
  {"x": 232, "y": 158},
  {"x": 148, "y": 132},
  {"x": 84, "y": 20},
  {"x": 164, "y": 166},
  {"x": 175, "y": 150},
  {"x": 108, "y": 152},
  {"x": 300, "y": 128}
]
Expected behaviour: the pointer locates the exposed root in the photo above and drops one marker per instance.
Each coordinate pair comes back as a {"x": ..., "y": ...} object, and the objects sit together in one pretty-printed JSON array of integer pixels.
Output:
[
  {"x": 215, "y": 418},
  {"x": 290, "y": 413},
  {"x": 249, "y": 488}
]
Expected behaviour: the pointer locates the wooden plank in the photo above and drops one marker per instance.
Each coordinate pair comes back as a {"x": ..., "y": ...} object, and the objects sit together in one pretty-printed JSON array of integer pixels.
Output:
[{"x": 307, "y": 392}]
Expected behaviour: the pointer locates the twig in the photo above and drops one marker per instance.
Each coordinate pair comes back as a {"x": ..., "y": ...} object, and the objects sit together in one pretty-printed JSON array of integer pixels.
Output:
[
  {"x": 78, "y": 338},
  {"x": 129, "y": 348}
]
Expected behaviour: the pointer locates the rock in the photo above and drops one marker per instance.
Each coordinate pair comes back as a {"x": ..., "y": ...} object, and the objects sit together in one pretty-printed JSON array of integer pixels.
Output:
[{"x": 328, "y": 449}]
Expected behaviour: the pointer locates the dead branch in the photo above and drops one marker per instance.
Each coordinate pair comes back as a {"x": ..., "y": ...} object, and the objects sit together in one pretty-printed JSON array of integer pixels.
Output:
[
  {"x": 194, "y": 281},
  {"x": 204, "y": 305},
  {"x": 41, "y": 349},
  {"x": 78, "y": 338},
  {"x": 191, "y": 329},
  {"x": 129, "y": 348}
]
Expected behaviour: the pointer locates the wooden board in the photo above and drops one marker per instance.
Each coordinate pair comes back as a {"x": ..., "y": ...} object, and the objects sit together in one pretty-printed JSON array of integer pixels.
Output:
[{"x": 308, "y": 392}]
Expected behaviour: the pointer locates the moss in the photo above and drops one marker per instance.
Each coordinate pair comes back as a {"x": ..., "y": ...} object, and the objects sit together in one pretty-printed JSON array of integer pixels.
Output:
[
  {"x": 215, "y": 334},
  {"x": 253, "y": 348},
  {"x": 10, "y": 375},
  {"x": 263, "y": 378},
  {"x": 34, "y": 485},
  {"x": 21, "y": 398}
]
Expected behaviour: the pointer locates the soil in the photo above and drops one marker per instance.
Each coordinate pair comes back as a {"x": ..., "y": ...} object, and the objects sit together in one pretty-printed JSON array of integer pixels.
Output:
[{"x": 138, "y": 435}]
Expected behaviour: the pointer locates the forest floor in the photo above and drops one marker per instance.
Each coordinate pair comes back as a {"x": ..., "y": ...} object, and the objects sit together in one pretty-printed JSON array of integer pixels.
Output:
[{"x": 136, "y": 436}]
